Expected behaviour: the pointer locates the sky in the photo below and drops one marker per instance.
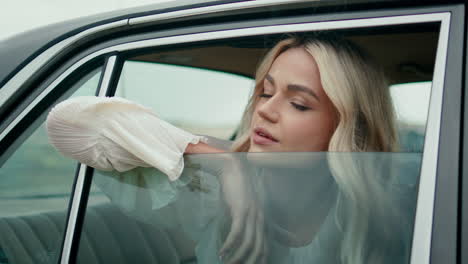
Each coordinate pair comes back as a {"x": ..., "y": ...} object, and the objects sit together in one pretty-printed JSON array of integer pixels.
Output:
[{"x": 21, "y": 15}]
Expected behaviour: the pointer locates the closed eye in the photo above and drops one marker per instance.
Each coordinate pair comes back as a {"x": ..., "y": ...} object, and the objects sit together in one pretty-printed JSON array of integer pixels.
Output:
[
  {"x": 264, "y": 95},
  {"x": 300, "y": 107}
]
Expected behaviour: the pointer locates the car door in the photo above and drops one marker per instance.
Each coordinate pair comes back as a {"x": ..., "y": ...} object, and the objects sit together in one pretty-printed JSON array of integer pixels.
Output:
[{"x": 211, "y": 56}]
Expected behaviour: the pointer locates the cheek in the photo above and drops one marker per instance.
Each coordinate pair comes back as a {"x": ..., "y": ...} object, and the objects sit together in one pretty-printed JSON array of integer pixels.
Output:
[{"x": 309, "y": 134}]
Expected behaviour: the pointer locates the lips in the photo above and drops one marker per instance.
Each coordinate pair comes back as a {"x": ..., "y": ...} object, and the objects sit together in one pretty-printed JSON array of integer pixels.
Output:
[{"x": 262, "y": 137}]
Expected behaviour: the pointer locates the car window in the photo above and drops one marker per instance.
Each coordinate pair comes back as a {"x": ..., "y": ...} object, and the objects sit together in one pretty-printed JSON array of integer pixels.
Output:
[
  {"x": 411, "y": 102},
  {"x": 174, "y": 91},
  {"x": 367, "y": 199},
  {"x": 35, "y": 187}
]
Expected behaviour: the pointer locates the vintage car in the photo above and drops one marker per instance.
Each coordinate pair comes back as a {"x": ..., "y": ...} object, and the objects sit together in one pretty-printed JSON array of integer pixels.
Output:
[{"x": 194, "y": 63}]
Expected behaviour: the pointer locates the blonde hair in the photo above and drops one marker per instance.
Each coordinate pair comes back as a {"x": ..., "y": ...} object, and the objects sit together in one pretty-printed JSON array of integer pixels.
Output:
[
  {"x": 359, "y": 92},
  {"x": 355, "y": 85}
]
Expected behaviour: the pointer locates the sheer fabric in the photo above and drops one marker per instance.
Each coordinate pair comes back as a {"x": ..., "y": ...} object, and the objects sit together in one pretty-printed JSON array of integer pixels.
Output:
[{"x": 117, "y": 134}]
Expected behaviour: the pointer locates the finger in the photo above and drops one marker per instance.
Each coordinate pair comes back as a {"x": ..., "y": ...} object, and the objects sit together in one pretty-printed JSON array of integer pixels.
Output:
[
  {"x": 232, "y": 237},
  {"x": 247, "y": 240},
  {"x": 257, "y": 253}
]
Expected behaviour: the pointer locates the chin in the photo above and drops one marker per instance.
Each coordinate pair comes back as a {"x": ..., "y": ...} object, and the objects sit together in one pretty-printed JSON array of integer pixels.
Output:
[{"x": 257, "y": 148}]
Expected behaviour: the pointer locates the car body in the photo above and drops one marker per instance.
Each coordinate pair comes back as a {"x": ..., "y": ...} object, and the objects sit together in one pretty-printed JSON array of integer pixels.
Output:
[{"x": 50, "y": 208}]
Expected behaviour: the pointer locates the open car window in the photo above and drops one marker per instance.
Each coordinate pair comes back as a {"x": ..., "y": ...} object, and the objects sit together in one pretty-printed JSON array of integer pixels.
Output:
[
  {"x": 313, "y": 205},
  {"x": 186, "y": 96},
  {"x": 411, "y": 101}
]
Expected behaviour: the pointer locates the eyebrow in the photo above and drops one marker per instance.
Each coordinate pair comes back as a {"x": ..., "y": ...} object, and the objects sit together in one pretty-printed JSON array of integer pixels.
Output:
[{"x": 295, "y": 87}]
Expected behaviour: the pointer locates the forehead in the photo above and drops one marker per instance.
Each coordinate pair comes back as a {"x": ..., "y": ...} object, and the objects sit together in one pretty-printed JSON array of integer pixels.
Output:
[{"x": 296, "y": 64}]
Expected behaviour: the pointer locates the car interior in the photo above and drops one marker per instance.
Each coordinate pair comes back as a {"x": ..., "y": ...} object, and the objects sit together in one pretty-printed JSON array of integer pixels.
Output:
[{"x": 410, "y": 59}]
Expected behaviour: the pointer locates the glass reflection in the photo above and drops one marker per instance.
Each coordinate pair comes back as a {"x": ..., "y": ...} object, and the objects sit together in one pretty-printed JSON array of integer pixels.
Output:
[{"x": 276, "y": 207}]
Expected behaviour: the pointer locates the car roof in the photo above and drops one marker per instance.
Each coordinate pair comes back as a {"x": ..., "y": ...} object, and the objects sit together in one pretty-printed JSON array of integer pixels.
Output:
[{"x": 21, "y": 48}]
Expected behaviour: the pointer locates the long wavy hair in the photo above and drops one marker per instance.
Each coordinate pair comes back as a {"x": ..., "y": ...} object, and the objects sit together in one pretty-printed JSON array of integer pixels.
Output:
[{"x": 358, "y": 89}]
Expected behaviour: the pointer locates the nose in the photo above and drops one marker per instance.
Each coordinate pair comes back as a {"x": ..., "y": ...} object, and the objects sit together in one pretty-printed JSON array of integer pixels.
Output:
[{"x": 268, "y": 110}]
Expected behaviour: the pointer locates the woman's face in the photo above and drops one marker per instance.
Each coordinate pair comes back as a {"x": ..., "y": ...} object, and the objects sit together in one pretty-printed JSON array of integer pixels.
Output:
[{"x": 293, "y": 112}]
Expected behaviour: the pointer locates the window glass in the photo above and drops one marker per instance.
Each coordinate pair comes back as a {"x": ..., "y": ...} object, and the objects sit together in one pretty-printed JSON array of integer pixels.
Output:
[
  {"x": 35, "y": 186},
  {"x": 298, "y": 209}
]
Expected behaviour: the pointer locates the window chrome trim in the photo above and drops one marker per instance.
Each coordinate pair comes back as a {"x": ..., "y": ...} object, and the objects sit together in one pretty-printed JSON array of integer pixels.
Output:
[
  {"x": 77, "y": 198},
  {"x": 264, "y": 30},
  {"x": 106, "y": 78},
  {"x": 71, "y": 224},
  {"x": 212, "y": 9},
  {"x": 422, "y": 234},
  {"x": 19, "y": 78},
  {"x": 424, "y": 213}
]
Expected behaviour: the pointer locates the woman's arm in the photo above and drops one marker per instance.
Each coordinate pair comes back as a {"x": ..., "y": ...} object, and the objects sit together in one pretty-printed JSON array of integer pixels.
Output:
[{"x": 117, "y": 134}]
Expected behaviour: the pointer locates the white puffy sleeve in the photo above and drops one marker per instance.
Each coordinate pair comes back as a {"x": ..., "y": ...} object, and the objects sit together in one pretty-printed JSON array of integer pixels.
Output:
[{"x": 110, "y": 133}]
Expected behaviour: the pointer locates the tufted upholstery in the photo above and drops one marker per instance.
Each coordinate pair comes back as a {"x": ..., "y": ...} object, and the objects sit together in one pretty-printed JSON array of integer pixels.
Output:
[{"x": 109, "y": 237}]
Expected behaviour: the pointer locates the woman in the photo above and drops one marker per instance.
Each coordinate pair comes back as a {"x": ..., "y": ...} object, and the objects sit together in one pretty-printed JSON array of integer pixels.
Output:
[{"x": 312, "y": 94}]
